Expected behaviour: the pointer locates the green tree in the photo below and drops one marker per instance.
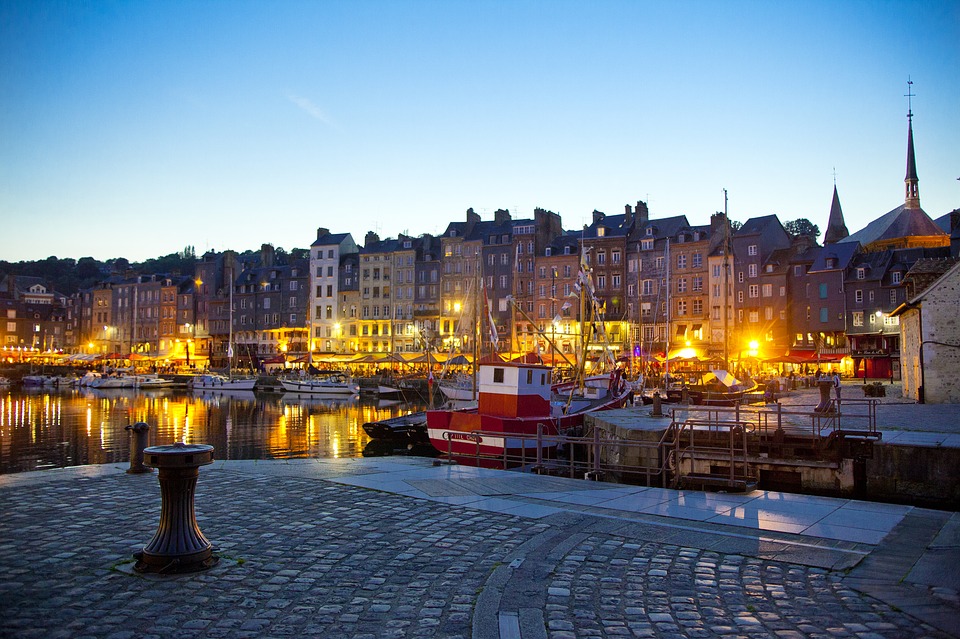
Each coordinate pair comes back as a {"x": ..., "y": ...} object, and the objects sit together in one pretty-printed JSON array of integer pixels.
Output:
[{"x": 802, "y": 226}]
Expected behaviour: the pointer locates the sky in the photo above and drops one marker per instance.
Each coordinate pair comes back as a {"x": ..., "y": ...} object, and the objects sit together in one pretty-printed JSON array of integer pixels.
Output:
[{"x": 137, "y": 129}]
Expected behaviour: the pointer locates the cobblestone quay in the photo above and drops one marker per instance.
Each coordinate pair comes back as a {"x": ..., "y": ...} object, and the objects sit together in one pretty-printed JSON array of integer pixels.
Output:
[{"x": 304, "y": 555}]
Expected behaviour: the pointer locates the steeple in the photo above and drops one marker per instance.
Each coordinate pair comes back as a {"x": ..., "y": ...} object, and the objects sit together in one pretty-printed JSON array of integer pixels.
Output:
[
  {"x": 912, "y": 182},
  {"x": 836, "y": 228}
]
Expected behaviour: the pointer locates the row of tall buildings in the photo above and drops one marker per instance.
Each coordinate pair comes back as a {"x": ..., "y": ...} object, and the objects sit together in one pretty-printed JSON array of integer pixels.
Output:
[{"x": 664, "y": 285}]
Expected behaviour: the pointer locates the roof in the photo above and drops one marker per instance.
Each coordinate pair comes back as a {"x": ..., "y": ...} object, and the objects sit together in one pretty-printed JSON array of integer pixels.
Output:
[
  {"x": 941, "y": 281},
  {"x": 757, "y": 225},
  {"x": 900, "y": 222},
  {"x": 842, "y": 252},
  {"x": 665, "y": 226},
  {"x": 836, "y": 227},
  {"x": 331, "y": 239}
]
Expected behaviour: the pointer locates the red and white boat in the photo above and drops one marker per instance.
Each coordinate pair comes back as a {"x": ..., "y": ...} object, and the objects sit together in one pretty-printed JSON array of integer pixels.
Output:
[{"x": 514, "y": 398}]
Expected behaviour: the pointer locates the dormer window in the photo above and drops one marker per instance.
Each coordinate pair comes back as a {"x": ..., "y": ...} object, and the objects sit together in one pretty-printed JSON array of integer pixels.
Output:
[
  {"x": 453, "y": 232},
  {"x": 649, "y": 230},
  {"x": 646, "y": 245},
  {"x": 831, "y": 262},
  {"x": 407, "y": 244},
  {"x": 681, "y": 238},
  {"x": 895, "y": 277},
  {"x": 861, "y": 273},
  {"x": 601, "y": 231},
  {"x": 566, "y": 250},
  {"x": 549, "y": 251}
]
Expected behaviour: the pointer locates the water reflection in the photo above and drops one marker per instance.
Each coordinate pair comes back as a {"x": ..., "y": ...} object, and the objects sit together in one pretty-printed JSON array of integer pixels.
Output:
[{"x": 42, "y": 428}]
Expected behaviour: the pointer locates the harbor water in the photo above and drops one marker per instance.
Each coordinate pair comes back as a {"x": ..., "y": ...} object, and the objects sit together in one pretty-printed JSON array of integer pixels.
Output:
[{"x": 47, "y": 428}]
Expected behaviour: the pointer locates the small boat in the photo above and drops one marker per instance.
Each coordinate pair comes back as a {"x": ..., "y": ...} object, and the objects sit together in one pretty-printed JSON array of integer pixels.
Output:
[
  {"x": 516, "y": 398},
  {"x": 108, "y": 382},
  {"x": 459, "y": 387},
  {"x": 215, "y": 381},
  {"x": 412, "y": 428},
  {"x": 152, "y": 382},
  {"x": 333, "y": 384}
]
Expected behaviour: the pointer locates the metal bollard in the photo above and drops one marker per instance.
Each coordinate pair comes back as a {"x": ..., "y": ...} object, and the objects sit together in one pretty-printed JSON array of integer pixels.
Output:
[
  {"x": 657, "y": 405},
  {"x": 138, "y": 442},
  {"x": 178, "y": 546}
]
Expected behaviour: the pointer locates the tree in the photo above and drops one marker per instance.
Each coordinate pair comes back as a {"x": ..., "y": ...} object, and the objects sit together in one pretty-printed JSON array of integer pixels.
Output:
[{"x": 802, "y": 226}]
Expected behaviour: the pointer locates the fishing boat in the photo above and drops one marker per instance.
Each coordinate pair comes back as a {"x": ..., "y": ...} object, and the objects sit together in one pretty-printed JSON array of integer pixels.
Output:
[
  {"x": 515, "y": 399},
  {"x": 457, "y": 387},
  {"x": 332, "y": 384}
]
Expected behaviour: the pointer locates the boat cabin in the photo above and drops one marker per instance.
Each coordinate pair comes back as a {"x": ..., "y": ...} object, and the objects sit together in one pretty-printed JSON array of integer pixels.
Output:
[{"x": 511, "y": 389}]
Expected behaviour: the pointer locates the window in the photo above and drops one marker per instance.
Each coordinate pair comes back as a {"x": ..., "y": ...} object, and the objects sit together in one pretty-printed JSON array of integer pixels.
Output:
[
  {"x": 697, "y": 260},
  {"x": 751, "y": 270},
  {"x": 824, "y": 314},
  {"x": 682, "y": 285},
  {"x": 861, "y": 273},
  {"x": 682, "y": 260},
  {"x": 893, "y": 298},
  {"x": 647, "y": 287},
  {"x": 895, "y": 277},
  {"x": 752, "y": 249},
  {"x": 615, "y": 257},
  {"x": 797, "y": 270},
  {"x": 698, "y": 307},
  {"x": 823, "y": 291},
  {"x": 498, "y": 376},
  {"x": 601, "y": 257},
  {"x": 646, "y": 244},
  {"x": 858, "y": 297},
  {"x": 754, "y": 290},
  {"x": 681, "y": 307},
  {"x": 754, "y": 317},
  {"x": 616, "y": 281},
  {"x": 858, "y": 318},
  {"x": 697, "y": 284},
  {"x": 768, "y": 313}
]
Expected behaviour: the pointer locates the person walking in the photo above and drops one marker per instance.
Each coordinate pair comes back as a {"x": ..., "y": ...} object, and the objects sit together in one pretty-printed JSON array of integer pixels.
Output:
[{"x": 836, "y": 385}]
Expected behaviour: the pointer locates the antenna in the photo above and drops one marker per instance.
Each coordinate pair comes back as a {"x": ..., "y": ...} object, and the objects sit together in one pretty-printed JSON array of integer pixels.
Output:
[{"x": 909, "y": 95}]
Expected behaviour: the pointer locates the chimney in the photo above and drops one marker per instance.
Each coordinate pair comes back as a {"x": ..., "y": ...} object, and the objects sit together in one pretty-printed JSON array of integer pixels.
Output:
[
  {"x": 266, "y": 255},
  {"x": 643, "y": 213},
  {"x": 627, "y": 214},
  {"x": 471, "y": 216},
  {"x": 501, "y": 216},
  {"x": 322, "y": 232},
  {"x": 597, "y": 216},
  {"x": 717, "y": 221},
  {"x": 370, "y": 239}
]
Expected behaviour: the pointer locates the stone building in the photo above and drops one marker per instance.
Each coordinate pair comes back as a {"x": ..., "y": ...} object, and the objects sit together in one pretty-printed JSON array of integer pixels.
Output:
[{"x": 930, "y": 335}]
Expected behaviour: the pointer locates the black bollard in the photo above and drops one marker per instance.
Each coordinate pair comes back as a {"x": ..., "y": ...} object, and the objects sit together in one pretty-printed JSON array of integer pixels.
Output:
[
  {"x": 178, "y": 545},
  {"x": 657, "y": 405},
  {"x": 138, "y": 442}
]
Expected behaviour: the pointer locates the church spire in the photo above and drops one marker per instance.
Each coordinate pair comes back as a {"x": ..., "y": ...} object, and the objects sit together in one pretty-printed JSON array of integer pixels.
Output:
[
  {"x": 911, "y": 181},
  {"x": 836, "y": 228}
]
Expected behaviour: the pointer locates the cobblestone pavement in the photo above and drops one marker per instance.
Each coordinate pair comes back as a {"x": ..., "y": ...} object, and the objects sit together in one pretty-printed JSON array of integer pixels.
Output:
[{"x": 305, "y": 557}]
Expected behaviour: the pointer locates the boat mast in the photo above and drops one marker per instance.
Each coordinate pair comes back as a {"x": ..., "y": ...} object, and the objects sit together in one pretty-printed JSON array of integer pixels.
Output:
[
  {"x": 666, "y": 363},
  {"x": 726, "y": 268},
  {"x": 477, "y": 331},
  {"x": 230, "y": 331}
]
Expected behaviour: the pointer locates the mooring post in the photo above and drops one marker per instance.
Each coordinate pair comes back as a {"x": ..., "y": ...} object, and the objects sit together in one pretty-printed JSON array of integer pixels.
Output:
[{"x": 138, "y": 442}]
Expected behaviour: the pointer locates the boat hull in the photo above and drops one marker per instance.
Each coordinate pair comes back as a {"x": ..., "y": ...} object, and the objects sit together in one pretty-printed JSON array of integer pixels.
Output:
[{"x": 319, "y": 387}]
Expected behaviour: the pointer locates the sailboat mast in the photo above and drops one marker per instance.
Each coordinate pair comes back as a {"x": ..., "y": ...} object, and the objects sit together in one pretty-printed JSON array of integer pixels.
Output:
[
  {"x": 726, "y": 284},
  {"x": 230, "y": 328},
  {"x": 666, "y": 364}
]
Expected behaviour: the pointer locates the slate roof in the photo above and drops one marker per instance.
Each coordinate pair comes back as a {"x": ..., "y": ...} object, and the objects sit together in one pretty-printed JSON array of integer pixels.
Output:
[
  {"x": 900, "y": 222},
  {"x": 757, "y": 225},
  {"x": 836, "y": 227},
  {"x": 843, "y": 252},
  {"x": 665, "y": 226},
  {"x": 331, "y": 239}
]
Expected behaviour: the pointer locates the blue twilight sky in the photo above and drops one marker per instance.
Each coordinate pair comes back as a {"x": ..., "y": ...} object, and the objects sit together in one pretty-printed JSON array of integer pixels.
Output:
[{"x": 134, "y": 129}]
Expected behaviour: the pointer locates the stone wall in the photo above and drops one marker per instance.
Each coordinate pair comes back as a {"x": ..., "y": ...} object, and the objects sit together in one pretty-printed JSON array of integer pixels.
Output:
[
  {"x": 941, "y": 336},
  {"x": 923, "y": 475}
]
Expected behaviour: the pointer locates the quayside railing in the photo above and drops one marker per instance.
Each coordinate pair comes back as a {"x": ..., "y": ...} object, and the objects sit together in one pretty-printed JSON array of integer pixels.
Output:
[
  {"x": 726, "y": 435},
  {"x": 590, "y": 456}
]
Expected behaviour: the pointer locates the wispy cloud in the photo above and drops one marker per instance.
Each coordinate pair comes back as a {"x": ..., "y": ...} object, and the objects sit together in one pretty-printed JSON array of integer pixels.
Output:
[{"x": 310, "y": 108}]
